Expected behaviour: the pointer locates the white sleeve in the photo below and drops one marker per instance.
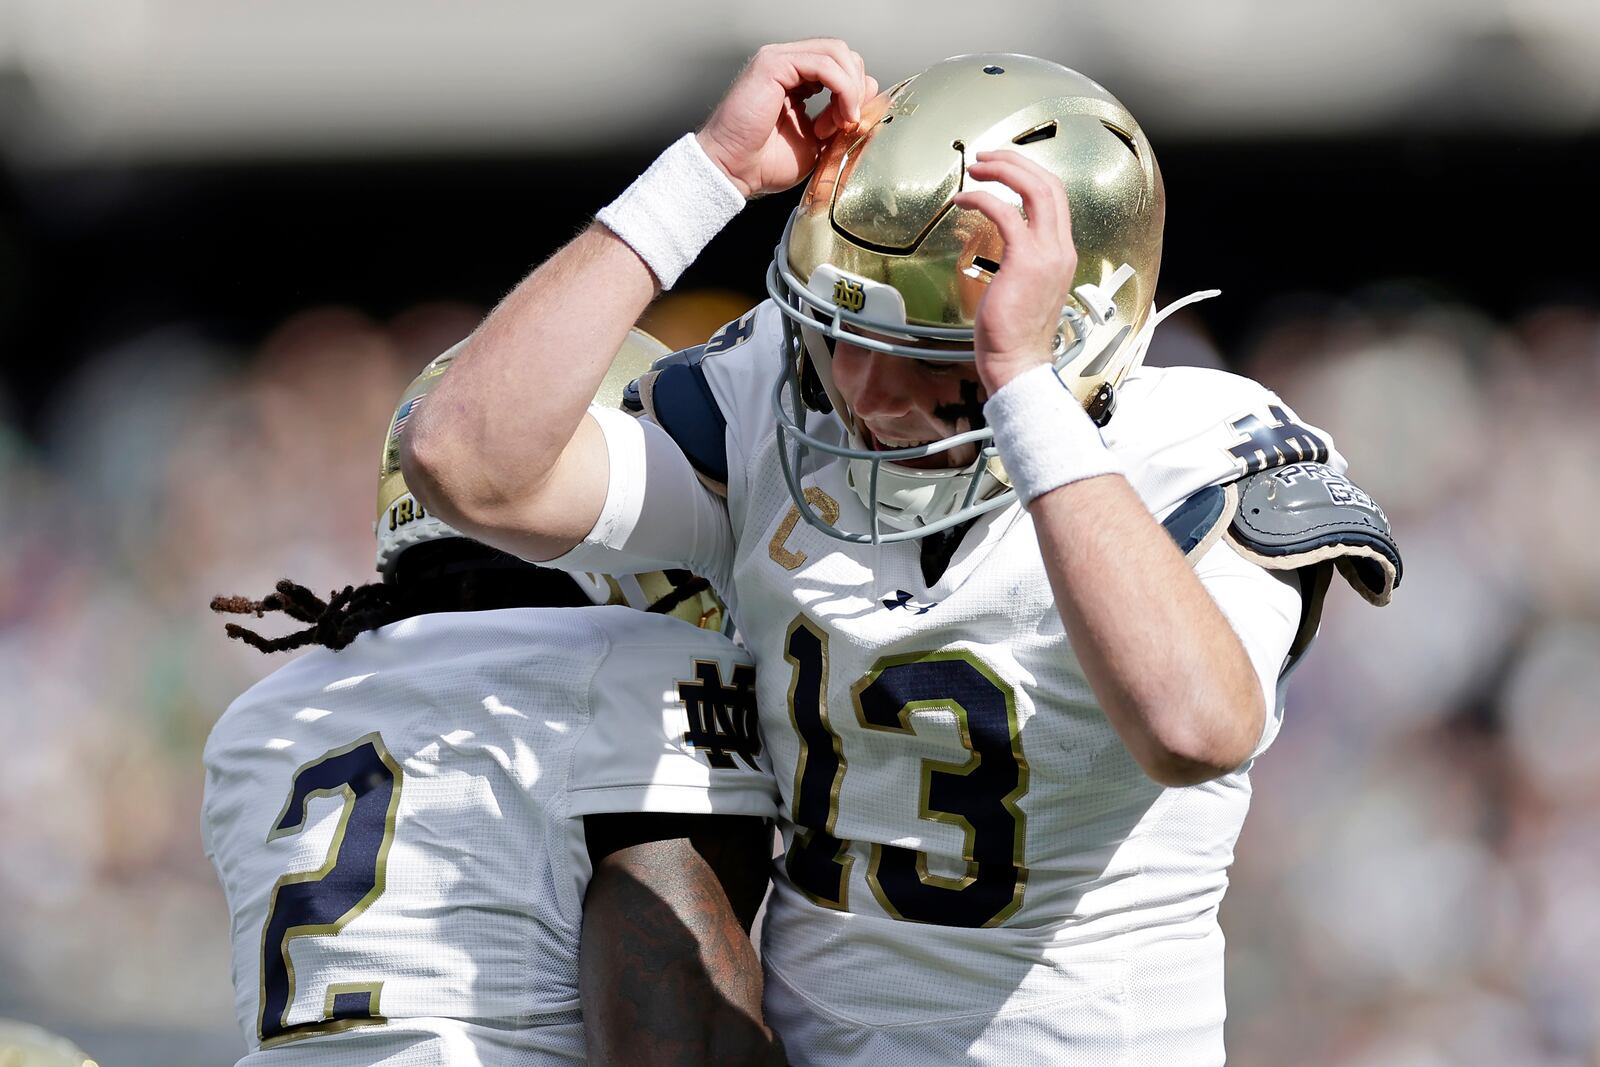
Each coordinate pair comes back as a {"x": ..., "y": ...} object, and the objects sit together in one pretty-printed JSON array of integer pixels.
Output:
[
  {"x": 674, "y": 729},
  {"x": 1263, "y": 607},
  {"x": 205, "y": 820},
  {"x": 657, "y": 514}
]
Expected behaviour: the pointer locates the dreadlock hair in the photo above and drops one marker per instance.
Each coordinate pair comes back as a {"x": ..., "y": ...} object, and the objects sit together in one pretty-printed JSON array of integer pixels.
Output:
[{"x": 452, "y": 574}]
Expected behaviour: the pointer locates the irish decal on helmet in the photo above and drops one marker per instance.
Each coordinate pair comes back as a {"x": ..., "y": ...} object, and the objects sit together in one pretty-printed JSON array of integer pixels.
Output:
[{"x": 852, "y": 296}]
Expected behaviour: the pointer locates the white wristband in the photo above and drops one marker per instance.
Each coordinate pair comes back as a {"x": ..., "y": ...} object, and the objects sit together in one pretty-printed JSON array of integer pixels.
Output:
[
  {"x": 1045, "y": 437},
  {"x": 674, "y": 209}
]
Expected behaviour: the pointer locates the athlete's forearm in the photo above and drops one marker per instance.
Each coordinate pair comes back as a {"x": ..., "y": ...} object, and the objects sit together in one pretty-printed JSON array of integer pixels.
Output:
[
  {"x": 1164, "y": 663},
  {"x": 502, "y": 450},
  {"x": 485, "y": 453},
  {"x": 667, "y": 972}
]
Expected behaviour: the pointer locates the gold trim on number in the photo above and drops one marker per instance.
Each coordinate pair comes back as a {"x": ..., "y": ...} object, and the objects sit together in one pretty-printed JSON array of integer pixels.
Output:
[
  {"x": 931, "y": 767},
  {"x": 380, "y": 872},
  {"x": 843, "y": 855}
]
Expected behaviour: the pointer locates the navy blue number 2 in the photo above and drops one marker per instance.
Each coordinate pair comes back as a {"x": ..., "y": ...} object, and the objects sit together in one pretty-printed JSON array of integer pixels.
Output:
[
  {"x": 979, "y": 796},
  {"x": 324, "y": 901}
]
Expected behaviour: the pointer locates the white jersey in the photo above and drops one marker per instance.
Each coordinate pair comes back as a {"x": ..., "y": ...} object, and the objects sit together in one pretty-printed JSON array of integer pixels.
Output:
[
  {"x": 976, "y": 867},
  {"x": 396, "y": 828}
]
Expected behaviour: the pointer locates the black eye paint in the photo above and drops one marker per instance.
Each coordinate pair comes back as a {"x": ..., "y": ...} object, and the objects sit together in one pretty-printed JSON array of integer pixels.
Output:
[{"x": 969, "y": 407}]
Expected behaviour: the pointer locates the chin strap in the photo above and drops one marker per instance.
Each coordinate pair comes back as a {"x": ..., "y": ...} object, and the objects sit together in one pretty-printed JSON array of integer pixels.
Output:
[
  {"x": 1141, "y": 340},
  {"x": 1092, "y": 330},
  {"x": 1099, "y": 303},
  {"x": 1099, "y": 300}
]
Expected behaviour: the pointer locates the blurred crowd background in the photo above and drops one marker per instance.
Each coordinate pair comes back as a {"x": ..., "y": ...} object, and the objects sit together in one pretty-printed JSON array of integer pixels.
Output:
[{"x": 204, "y": 327}]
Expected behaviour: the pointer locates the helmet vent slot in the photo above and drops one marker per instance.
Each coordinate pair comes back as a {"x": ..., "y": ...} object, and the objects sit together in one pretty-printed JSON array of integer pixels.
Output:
[
  {"x": 1042, "y": 132},
  {"x": 983, "y": 268},
  {"x": 1122, "y": 135}
]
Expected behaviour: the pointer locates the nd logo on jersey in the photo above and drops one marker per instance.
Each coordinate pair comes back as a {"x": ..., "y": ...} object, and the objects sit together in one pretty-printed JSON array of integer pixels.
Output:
[
  {"x": 722, "y": 717},
  {"x": 1273, "y": 444}
]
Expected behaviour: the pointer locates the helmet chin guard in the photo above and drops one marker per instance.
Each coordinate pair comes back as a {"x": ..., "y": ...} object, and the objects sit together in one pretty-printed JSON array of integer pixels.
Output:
[{"x": 877, "y": 254}]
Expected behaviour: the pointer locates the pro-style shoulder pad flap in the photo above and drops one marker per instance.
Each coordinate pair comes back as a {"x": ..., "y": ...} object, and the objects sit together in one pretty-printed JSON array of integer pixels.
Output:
[
  {"x": 676, "y": 395},
  {"x": 1304, "y": 513}
]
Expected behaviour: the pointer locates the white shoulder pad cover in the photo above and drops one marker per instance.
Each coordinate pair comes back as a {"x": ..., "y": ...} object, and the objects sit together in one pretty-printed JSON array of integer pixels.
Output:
[{"x": 1305, "y": 513}]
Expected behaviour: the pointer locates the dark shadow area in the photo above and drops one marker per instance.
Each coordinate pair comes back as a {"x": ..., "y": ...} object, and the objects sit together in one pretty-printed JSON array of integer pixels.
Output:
[{"x": 90, "y": 258}]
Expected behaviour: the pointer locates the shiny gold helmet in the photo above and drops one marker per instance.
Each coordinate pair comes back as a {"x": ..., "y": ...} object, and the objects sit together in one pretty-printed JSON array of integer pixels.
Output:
[
  {"x": 877, "y": 253},
  {"x": 403, "y": 523}
]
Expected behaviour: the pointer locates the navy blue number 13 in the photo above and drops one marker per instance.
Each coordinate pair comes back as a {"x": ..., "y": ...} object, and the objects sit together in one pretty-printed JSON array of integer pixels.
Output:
[
  {"x": 977, "y": 795},
  {"x": 367, "y": 780}
]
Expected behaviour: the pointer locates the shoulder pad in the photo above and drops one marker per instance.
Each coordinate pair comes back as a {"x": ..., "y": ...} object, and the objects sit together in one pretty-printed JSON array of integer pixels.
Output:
[
  {"x": 677, "y": 396},
  {"x": 1306, "y": 513},
  {"x": 1197, "y": 522},
  {"x": 685, "y": 357},
  {"x": 633, "y": 394}
]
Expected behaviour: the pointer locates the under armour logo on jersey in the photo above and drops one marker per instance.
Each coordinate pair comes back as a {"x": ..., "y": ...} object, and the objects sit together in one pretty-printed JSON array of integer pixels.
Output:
[
  {"x": 722, "y": 717},
  {"x": 902, "y": 599},
  {"x": 1269, "y": 445}
]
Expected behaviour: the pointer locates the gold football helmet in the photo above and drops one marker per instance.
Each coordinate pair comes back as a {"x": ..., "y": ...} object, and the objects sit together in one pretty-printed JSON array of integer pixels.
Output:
[
  {"x": 403, "y": 523},
  {"x": 877, "y": 253}
]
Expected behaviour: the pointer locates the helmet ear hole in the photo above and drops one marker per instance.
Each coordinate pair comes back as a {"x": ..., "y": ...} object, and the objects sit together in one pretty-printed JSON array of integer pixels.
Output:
[{"x": 983, "y": 269}]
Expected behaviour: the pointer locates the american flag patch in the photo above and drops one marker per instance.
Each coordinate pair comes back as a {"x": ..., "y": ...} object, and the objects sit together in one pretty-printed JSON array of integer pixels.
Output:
[{"x": 403, "y": 414}]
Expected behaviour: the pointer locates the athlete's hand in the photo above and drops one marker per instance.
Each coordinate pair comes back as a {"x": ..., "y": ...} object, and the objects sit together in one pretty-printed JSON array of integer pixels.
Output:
[
  {"x": 759, "y": 134},
  {"x": 1018, "y": 315}
]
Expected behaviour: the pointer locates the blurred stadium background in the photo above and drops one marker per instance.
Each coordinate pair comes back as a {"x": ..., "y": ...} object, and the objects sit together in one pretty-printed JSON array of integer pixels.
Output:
[{"x": 229, "y": 233}]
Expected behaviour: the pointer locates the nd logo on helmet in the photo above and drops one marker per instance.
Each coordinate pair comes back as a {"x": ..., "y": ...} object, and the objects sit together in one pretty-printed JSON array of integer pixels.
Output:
[{"x": 852, "y": 296}]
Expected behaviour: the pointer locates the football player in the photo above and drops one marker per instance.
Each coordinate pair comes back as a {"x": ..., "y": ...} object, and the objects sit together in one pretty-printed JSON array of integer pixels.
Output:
[
  {"x": 416, "y": 834},
  {"x": 1021, "y": 608}
]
